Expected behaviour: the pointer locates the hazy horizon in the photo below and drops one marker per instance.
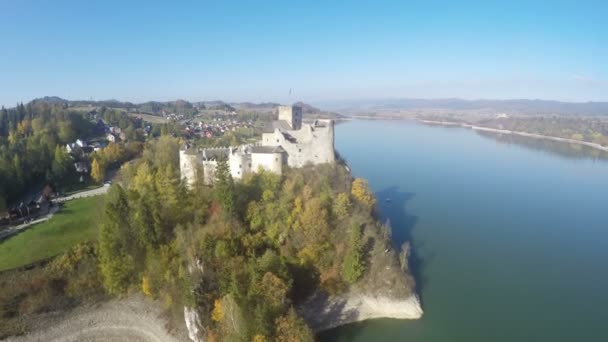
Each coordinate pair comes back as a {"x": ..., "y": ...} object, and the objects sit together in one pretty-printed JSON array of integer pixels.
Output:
[{"x": 284, "y": 52}]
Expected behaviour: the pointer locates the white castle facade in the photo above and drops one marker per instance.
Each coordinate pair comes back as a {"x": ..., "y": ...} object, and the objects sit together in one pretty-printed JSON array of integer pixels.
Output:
[{"x": 290, "y": 142}]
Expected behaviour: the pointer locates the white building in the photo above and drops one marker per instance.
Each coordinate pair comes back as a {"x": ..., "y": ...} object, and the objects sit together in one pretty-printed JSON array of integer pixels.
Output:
[{"x": 289, "y": 141}]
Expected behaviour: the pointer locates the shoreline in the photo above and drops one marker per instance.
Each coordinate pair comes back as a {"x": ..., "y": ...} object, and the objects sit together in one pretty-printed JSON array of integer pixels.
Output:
[
  {"x": 524, "y": 134},
  {"x": 326, "y": 313}
]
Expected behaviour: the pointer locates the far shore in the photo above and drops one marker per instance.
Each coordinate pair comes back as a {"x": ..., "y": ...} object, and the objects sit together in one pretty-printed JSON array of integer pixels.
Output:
[{"x": 505, "y": 131}]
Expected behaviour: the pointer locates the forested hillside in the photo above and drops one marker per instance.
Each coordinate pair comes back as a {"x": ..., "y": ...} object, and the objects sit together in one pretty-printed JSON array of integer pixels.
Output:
[
  {"x": 243, "y": 254},
  {"x": 32, "y": 145},
  {"x": 33, "y": 140}
]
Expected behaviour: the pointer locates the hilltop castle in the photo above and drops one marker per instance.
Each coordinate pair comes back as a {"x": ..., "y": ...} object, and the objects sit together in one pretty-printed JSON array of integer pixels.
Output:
[{"x": 287, "y": 142}]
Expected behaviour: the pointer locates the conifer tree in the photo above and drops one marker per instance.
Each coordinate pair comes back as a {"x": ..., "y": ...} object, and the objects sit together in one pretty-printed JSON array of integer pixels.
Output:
[
  {"x": 224, "y": 188},
  {"x": 116, "y": 241},
  {"x": 353, "y": 261}
]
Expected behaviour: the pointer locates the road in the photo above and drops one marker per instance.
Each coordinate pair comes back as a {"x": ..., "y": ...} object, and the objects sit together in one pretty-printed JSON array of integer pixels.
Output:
[{"x": 88, "y": 193}]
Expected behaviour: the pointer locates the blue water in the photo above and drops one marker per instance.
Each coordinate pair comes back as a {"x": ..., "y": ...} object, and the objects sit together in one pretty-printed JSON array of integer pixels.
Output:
[{"x": 510, "y": 240}]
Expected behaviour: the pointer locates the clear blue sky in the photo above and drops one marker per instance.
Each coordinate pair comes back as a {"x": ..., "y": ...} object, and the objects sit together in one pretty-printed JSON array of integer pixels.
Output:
[{"x": 326, "y": 50}]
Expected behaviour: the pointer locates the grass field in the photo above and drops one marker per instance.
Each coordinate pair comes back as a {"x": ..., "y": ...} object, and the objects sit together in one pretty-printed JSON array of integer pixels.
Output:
[{"x": 75, "y": 222}]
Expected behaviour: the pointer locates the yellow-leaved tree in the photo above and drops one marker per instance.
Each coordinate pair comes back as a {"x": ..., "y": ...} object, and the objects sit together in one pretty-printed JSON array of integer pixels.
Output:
[
  {"x": 362, "y": 193},
  {"x": 98, "y": 172},
  {"x": 145, "y": 286},
  {"x": 218, "y": 313}
]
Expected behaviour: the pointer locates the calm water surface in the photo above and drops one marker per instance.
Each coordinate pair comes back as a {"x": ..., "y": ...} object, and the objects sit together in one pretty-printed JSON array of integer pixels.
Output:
[{"x": 511, "y": 238}]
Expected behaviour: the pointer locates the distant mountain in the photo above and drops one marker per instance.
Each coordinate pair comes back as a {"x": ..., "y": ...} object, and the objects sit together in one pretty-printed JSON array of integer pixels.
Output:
[
  {"x": 516, "y": 106},
  {"x": 162, "y": 108}
]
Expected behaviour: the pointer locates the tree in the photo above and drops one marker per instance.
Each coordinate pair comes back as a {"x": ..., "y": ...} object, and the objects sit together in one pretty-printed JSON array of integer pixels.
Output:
[
  {"x": 66, "y": 133},
  {"x": 218, "y": 313},
  {"x": 362, "y": 193},
  {"x": 116, "y": 242},
  {"x": 224, "y": 188},
  {"x": 2, "y": 206},
  {"x": 146, "y": 288},
  {"x": 291, "y": 328},
  {"x": 98, "y": 172},
  {"x": 341, "y": 205},
  {"x": 147, "y": 221},
  {"x": 61, "y": 163},
  {"x": 353, "y": 260}
]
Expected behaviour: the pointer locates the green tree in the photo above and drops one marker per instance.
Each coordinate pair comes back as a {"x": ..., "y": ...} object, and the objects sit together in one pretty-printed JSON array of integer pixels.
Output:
[
  {"x": 66, "y": 133},
  {"x": 61, "y": 163},
  {"x": 147, "y": 220},
  {"x": 224, "y": 188},
  {"x": 116, "y": 242},
  {"x": 353, "y": 267},
  {"x": 341, "y": 205}
]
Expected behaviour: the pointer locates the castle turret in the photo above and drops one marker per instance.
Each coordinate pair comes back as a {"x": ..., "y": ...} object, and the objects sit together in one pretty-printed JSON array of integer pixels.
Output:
[{"x": 292, "y": 115}]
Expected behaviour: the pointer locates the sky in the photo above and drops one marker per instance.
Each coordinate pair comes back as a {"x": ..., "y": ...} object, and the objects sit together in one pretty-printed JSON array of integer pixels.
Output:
[{"x": 313, "y": 51}]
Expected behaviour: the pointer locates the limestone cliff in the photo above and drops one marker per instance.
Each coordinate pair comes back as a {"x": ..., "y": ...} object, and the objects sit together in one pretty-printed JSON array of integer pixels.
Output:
[{"x": 387, "y": 290}]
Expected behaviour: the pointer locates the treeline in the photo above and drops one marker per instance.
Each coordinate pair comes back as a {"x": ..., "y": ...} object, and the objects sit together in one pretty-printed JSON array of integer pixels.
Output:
[
  {"x": 241, "y": 253},
  {"x": 32, "y": 141},
  {"x": 583, "y": 129}
]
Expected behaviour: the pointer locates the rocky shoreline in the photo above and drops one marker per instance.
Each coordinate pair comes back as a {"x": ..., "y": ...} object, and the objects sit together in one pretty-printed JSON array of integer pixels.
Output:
[{"x": 324, "y": 313}]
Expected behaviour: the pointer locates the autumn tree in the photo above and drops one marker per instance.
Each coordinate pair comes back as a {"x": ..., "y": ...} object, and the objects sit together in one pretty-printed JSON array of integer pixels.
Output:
[
  {"x": 362, "y": 193},
  {"x": 291, "y": 328},
  {"x": 98, "y": 171}
]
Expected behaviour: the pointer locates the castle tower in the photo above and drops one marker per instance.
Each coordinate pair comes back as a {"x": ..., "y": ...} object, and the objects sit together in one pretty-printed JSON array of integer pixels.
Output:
[{"x": 292, "y": 115}]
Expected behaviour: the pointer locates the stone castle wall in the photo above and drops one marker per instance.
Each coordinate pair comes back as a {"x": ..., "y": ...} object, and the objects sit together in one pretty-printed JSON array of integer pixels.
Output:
[
  {"x": 313, "y": 143},
  {"x": 188, "y": 165},
  {"x": 307, "y": 143}
]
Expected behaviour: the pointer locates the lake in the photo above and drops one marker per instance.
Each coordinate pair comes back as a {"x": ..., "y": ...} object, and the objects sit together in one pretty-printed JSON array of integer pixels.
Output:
[{"x": 510, "y": 238}]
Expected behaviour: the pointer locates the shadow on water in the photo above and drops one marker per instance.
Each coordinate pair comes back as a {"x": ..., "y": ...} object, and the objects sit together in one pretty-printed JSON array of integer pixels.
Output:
[
  {"x": 559, "y": 148},
  {"x": 392, "y": 206}
]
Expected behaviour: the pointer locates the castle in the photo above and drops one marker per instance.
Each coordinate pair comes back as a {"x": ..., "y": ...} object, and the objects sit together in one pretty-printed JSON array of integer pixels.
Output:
[{"x": 287, "y": 142}]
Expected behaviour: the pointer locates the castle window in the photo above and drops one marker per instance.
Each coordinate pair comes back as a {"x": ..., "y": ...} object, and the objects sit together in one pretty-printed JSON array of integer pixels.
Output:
[
  {"x": 240, "y": 166},
  {"x": 249, "y": 164},
  {"x": 277, "y": 140},
  {"x": 300, "y": 150},
  {"x": 276, "y": 159}
]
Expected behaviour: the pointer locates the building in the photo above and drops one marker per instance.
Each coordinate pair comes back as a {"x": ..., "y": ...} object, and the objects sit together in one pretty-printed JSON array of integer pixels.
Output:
[{"x": 288, "y": 141}]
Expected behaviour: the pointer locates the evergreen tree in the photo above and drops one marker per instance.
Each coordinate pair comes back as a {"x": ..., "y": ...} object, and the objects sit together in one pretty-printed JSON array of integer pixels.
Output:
[
  {"x": 116, "y": 243},
  {"x": 353, "y": 261},
  {"x": 224, "y": 188},
  {"x": 61, "y": 163}
]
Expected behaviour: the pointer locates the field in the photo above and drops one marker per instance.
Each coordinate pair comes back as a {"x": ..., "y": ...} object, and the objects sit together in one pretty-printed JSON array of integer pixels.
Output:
[{"x": 75, "y": 222}]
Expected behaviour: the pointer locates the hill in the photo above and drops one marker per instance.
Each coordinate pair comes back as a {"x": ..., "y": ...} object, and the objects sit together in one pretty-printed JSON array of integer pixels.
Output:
[{"x": 477, "y": 107}]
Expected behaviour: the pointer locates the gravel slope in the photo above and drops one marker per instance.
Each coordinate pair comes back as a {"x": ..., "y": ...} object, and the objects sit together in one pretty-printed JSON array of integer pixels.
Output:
[{"x": 133, "y": 319}]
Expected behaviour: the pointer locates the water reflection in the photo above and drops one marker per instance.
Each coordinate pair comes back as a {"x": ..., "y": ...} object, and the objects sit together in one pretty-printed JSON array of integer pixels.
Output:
[{"x": 563, "y": 149}]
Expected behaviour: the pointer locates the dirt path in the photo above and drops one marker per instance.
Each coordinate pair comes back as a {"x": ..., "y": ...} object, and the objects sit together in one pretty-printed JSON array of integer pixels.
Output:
[{"x": 134, "y": 319}]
